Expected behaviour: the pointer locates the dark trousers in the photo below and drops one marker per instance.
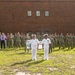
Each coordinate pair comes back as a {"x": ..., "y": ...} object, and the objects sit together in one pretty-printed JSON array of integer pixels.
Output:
[{"x": 3, "y": 43}]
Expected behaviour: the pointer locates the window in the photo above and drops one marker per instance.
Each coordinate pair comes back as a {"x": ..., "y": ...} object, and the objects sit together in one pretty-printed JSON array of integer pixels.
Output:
[
  {"x": 37, "y": 13},
  {"x": 29, "y": 13},
  {"x": 46, "y": 13}
]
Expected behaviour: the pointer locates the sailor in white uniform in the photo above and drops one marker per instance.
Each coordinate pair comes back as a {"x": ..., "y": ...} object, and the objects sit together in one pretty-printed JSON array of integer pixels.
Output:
[
  {"x": 46, "y": 43},
  {"x": 34, "y": 46}
]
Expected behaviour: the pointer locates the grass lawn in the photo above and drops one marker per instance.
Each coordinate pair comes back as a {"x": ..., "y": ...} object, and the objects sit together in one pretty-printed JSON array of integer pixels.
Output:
[{"x": 61, "y": 62}]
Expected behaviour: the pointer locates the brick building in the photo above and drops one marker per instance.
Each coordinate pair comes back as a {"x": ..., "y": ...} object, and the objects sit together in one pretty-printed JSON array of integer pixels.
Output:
[{"x": 37, "y": 15}]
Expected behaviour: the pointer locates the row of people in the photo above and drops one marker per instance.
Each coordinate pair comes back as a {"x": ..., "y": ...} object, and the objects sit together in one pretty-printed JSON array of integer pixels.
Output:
[
  {"x": 33, "y": 44},
  {"x": 62, "y": 41},
  {"x": 11, "y": 40},
  {"x": 18, "y": 40}
]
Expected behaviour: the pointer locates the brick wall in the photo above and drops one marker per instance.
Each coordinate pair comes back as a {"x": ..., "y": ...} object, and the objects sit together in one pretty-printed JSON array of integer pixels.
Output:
[{"x": 13, "y": 16}]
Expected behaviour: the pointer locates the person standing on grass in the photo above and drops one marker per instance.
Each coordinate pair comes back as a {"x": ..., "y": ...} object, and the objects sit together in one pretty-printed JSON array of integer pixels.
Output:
[
  {"x": 61, "y": 41},
  {"x": 23, "y": 39},
  {"x": 34, "y": 46},
  {"x": 55, "y": 40},
  {"x": 51, "y": 37},
  {"x": 46, "y": 43},
  {"x": 18, "y": 40},
  {"x": 11, "y": 41},
  {"x": 7, "y": 41},
  {"x": 73, "y": 40},
  {"x": 3, "y": 38},
  {"x": 15, "y": 38}
]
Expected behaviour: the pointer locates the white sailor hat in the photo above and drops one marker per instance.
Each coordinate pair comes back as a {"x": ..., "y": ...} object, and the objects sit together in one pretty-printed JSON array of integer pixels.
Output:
[
  {"x": 33, "y": 35},
  {"x": 45, "y": 35}
]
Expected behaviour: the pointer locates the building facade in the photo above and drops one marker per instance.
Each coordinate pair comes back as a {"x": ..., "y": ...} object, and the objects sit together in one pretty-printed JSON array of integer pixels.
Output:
[{"x": 37, "y": 16}]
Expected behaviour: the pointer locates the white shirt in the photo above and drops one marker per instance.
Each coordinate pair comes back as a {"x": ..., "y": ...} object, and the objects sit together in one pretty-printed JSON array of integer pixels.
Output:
[
  {"x": 46, "y": 42},
  {"x": 34, "y": 43}
]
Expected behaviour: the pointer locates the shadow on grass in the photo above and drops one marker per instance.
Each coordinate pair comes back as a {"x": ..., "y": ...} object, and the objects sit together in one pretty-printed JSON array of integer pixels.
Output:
[
  {"x": 19, "y": 63},
  {"x": 12, "y": 49},
  {"x": 7, "y": 49},
  {"x": 27, "y": 63},
  {"x": 55, "y": 50},
  {"x": 34, "y": 63},
  {"x": 22, "y": 53},
  {"x": 40, "y": 54},
  {"x": 74, "y": 50},
  {"x": 66, "y": 50}
]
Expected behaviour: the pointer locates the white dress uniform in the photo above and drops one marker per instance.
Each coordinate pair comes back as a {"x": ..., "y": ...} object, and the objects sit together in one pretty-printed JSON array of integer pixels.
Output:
[
  {"x": 34, "y": 45},
  {"x": 46, "y": 43}
]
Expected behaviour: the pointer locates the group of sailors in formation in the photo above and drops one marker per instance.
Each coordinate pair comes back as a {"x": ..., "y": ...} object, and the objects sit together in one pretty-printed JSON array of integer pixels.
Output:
[{"x": 49, "y": 41}]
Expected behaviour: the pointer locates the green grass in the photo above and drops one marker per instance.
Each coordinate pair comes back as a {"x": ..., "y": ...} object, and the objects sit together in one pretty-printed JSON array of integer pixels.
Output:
[{"x": 60, "y": 62}]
